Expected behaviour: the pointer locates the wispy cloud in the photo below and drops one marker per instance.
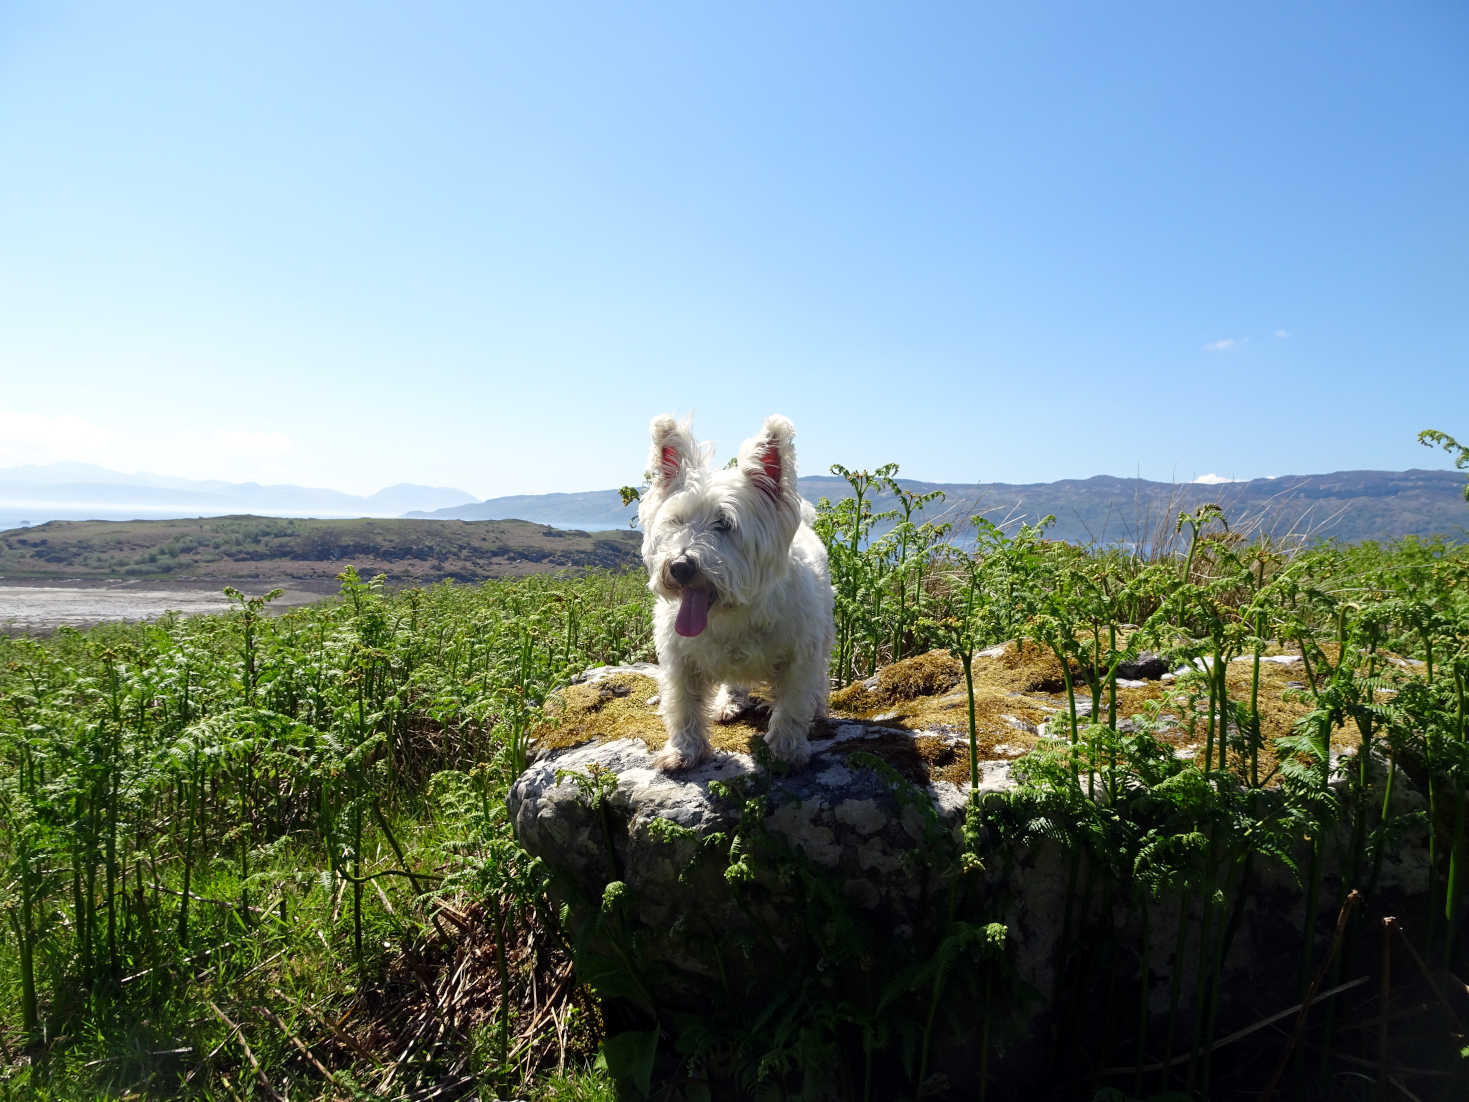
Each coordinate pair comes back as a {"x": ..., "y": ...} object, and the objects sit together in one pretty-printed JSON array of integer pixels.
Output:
[
  {"x": 1213, "y": 479},
  {"x": 1229, "y": 344}
]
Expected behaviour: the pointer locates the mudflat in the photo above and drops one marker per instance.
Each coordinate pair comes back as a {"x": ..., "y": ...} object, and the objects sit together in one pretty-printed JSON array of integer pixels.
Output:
[{"x": 40, "y": 609}]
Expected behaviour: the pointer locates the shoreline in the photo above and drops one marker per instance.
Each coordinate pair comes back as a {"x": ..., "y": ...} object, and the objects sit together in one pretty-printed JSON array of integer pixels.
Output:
[
  {"x": 172, "y": 585},
  {"x": 39, "y": 608}
]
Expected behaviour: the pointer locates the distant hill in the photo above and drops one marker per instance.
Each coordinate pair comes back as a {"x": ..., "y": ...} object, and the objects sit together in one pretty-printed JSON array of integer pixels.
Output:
[
  {"x": 593, "y": 509},
  {"x": 258, "y": 553},
  {"x": 78, "y": 491},
  {"x": 1347, "y": 505},
  {"x": 1350, "y": 506}
]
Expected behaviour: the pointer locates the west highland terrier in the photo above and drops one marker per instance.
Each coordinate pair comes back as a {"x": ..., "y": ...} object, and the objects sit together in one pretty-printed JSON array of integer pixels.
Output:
[{"x": 744, "y": 593}]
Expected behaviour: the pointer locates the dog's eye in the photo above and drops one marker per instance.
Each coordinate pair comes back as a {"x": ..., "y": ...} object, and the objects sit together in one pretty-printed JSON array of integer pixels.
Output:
[{"x": 722, "y": 524}]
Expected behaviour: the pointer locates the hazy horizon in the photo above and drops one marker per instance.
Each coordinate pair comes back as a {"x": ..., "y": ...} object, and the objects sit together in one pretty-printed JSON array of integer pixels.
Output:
[
  {"x": 1339, "y": 505},
  {"x": 9, "y": 502}
]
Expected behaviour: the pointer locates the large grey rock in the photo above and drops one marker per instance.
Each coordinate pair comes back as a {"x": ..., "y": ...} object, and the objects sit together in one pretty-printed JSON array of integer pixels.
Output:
[{"x": 601, "y": 814}]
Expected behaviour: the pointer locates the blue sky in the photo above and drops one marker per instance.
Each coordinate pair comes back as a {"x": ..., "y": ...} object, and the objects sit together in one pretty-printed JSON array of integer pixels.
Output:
[{"x": 482, "y": 244}]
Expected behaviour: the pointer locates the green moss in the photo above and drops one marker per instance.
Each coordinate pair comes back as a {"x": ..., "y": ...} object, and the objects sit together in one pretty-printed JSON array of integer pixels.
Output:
[
  {"x": 922, "y": 675},
  {"x": 1014, "y": 693},
  {"x": 919, "y": 759},
  {"x": 619, "y": 707}
]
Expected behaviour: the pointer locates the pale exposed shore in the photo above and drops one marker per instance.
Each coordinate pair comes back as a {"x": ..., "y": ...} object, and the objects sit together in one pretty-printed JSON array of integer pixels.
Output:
[{"x": 41, "y": 609}]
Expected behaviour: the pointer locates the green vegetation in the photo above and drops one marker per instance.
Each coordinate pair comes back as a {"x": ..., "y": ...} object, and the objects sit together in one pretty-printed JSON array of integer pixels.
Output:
[
  {"x": 1431, "y": 437},
  {"x": 1383, "y": 638},
  {"x": 268, "y": 856},
  {"x": 243, "y": 851}
]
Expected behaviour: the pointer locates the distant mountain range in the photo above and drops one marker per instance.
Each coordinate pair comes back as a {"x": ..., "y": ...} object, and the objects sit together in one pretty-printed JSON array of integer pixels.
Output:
[
  {"x": 1346, "y": 505},
  {"x": 82, "y": 491},
  {"x": 592, "y": 511}
]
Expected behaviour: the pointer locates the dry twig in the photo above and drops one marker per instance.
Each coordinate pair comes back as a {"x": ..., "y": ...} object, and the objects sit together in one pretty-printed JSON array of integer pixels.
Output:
[
  {"x": 239, "y": 1035},
  {"x": 297, "y": 1043},
  {"x": 1342, "y": 916}
]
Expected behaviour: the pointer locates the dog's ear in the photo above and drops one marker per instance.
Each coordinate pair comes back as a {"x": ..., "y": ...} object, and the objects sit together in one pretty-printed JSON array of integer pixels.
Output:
[
  {"x": 769, "y": 460},
  {"x": 674, "y": 453}
]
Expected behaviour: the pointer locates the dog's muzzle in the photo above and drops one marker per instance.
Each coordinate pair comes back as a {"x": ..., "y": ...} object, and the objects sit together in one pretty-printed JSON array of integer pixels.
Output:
[{"x": 695, "y": 596}]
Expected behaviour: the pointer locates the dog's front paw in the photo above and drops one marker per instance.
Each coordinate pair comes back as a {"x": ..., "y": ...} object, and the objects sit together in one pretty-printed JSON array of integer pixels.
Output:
[
  {"x": 673, "y": 759},
  {"x": 788, "y": 746}
]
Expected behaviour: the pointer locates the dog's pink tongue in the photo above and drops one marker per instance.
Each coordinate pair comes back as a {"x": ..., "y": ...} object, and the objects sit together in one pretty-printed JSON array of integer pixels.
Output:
[{"x": 693, "y": 612}]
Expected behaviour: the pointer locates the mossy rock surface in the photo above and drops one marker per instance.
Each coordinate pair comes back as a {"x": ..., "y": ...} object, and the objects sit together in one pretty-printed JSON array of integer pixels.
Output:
[{"x": 915, "y": 713}]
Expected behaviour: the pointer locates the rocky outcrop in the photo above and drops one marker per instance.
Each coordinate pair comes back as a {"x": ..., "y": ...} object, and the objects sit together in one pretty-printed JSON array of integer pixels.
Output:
[{"x": 720, "y": 881}]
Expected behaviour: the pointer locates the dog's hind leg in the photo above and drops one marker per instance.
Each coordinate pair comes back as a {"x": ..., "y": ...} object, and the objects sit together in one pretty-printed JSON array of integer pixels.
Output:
[
  {"x": 730, "y": 702},
  {"x": 685, "y": 710}
]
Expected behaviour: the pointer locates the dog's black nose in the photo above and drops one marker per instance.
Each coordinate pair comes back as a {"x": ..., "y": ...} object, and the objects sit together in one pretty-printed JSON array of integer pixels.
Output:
[{"x": 683, "y": 571}]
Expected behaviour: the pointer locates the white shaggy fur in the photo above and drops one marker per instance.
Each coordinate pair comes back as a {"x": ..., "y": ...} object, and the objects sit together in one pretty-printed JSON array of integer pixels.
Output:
[{"x": 743, "y": 586}]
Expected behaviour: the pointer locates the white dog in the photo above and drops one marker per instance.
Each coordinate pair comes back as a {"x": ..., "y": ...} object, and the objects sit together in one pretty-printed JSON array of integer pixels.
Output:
[{"x": 743, "y": 586}]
